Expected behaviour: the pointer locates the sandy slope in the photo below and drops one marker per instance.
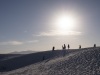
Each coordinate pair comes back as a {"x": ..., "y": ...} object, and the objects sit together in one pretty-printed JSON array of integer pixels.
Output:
[{"x": 83, "y": 62}]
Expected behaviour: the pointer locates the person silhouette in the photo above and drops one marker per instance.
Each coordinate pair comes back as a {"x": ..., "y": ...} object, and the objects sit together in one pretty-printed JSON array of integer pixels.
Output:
[
  {"x": 53, "y": 48},
  {"x": 79, "y": 46},
  {"x": 43, "y": 58},
  {"x": 64, "y": 46},
  {"x": 68, "y": 46},
  {"x": 94, "y": 45}
]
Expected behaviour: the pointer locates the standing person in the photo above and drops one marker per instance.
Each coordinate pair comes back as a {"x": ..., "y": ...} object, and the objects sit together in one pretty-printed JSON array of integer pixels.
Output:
[
  {"x": 79, "y": 46},
  {"x": 64, "y": 46},
  {"x": 43, "y": 58},
  {"x": 94, "y": 45},
  {"x": 53, "y": 48},
  {"x": 68, "y": 46},
  {"x": 64, "y": 50}
]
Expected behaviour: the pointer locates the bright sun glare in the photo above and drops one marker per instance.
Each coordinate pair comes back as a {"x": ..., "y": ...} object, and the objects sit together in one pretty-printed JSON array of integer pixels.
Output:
[{"x": 66, "y": 23}]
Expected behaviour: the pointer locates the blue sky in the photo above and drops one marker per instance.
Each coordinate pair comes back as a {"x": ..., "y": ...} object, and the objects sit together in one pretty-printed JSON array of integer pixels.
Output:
[{"x": 29, "y": 24}]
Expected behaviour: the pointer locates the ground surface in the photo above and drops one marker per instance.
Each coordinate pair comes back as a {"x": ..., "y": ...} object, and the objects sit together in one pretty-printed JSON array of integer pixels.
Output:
[{"x": 72, "y": 62}]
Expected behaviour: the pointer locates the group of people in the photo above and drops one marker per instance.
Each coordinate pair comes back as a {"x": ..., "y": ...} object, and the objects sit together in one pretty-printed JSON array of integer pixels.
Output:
[{"x": 64, "y": 47}]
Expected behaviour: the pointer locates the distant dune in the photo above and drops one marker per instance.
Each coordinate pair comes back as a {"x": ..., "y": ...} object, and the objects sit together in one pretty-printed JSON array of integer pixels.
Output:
[
  {"x": 23, "y": 52},
  {"x": 14, "y": 54}
]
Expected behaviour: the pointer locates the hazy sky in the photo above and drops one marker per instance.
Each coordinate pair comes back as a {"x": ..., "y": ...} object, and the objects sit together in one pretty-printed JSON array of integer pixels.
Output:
[{"x": 30, "y": 24}]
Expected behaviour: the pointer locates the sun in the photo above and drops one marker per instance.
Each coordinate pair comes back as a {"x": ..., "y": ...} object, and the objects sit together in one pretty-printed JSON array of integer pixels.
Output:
[{"x": 66, "y": 22}]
